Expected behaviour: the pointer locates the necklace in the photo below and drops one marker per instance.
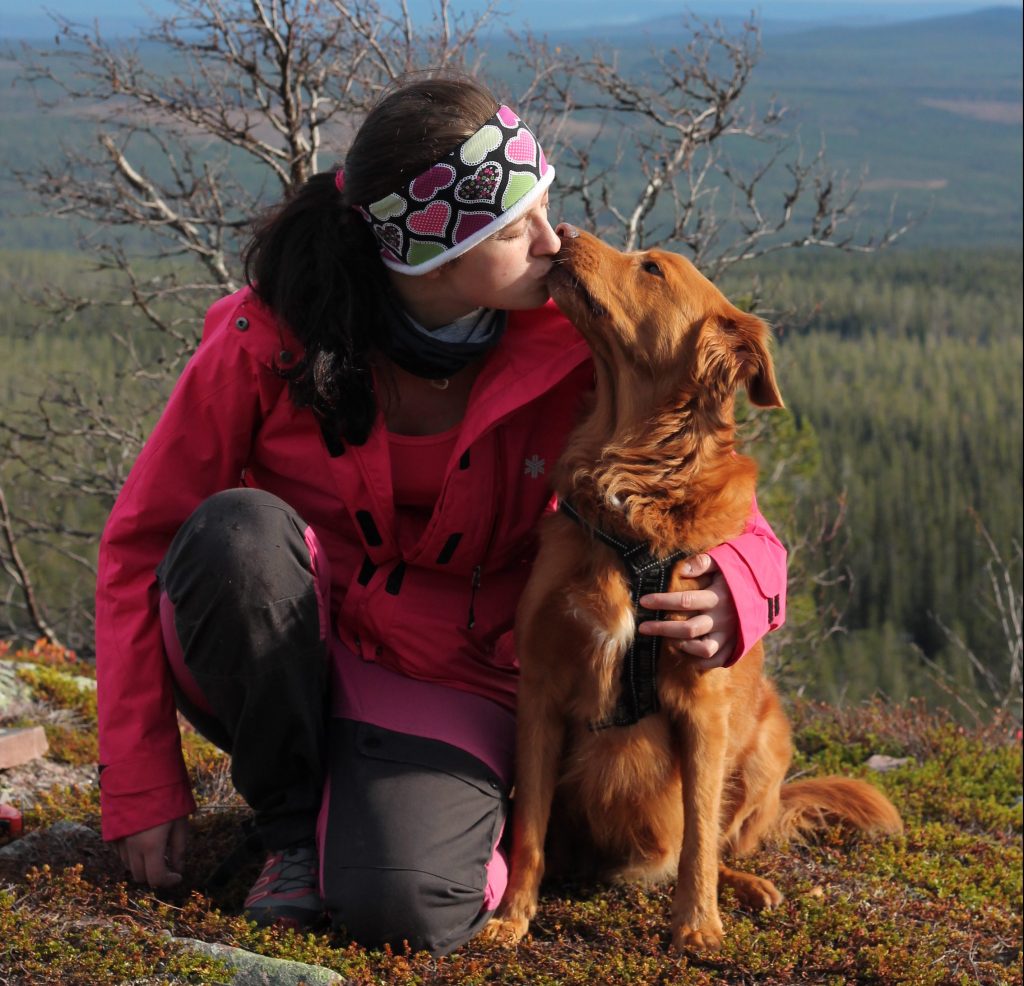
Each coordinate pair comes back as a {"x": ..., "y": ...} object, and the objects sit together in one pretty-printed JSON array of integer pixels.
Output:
[{"x": 441, "y": 384}]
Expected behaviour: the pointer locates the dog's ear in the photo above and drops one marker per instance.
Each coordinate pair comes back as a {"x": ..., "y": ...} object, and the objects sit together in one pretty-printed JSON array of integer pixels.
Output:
[{"x": 749, "y": 336}]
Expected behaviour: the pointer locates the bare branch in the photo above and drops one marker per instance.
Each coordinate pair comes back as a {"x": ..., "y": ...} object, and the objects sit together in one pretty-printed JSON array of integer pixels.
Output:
[
  {"x": 678, "y": 124},
  {"x": 16, "y": 568}
]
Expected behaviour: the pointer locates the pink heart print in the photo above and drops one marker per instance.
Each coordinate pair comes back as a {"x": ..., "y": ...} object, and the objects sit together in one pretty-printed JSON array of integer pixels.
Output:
[
  {"x": 522, "y": 149},
  {"x": 427, "y": 185},
  {"x": 507, "y": 117},
  {"x": 482, "y": 185},
  {"x": 470, "y": 223},
  {"x": 432, "y": 221}
]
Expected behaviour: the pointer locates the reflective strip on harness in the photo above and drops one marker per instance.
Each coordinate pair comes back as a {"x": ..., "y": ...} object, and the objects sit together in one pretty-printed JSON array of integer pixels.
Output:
[{"x": 645, "y": 573}]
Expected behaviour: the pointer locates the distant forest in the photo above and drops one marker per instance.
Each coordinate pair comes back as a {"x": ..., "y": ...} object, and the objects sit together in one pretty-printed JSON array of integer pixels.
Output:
[{"x": 902, "y": 374}]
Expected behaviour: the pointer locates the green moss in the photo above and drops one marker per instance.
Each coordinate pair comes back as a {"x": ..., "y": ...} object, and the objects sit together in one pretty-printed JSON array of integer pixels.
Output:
[
  {"x": 43, "y": 945},
  {"x": 59, "y": 689},
  {"x": 971, "y": 779},
  {"x": 62, "y": 803},
  {"x": 72, "y": 744},
  {"x": 940, "y": 905}
]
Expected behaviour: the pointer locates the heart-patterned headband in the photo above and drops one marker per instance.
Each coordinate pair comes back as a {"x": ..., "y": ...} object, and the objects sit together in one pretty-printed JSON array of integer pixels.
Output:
[{"x": 490, "y": 181}]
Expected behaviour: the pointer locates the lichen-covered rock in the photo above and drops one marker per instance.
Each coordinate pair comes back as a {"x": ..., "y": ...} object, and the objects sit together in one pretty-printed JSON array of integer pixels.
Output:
[
  {"x": 251, "y": 969},
  {"x": 62, "y": 844},
  {"x": 882, "y": 763},
  {"x": 14, "y": 693}
]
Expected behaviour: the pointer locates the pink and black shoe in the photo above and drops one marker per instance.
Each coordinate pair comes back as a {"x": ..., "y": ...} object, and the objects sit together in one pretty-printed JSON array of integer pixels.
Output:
[{"x": 287, "y": 891}]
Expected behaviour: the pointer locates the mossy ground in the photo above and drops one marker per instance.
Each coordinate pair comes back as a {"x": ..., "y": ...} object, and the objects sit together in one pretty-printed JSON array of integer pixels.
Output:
[{"x": 940, "y": 905}]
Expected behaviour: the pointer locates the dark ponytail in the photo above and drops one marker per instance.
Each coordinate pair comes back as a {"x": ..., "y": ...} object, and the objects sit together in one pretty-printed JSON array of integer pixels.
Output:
[{"x": 315, "y": 262}]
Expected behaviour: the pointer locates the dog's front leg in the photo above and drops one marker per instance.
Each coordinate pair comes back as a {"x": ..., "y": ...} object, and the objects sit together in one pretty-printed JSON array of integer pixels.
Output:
[
  {"x": 703, "y": 738},
  {"x": 540, "y": 733}
]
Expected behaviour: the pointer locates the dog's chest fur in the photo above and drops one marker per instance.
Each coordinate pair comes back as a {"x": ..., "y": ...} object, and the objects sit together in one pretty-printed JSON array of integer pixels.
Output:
[{"x": 598, "y": 602}]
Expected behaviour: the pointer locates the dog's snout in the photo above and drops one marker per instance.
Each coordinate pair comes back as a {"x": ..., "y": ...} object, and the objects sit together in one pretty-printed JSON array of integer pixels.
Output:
[{"x": 566, "y": 232}]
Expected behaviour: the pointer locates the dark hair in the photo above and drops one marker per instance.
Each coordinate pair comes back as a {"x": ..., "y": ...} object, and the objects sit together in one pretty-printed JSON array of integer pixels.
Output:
[{"x": 315, "y": 263}]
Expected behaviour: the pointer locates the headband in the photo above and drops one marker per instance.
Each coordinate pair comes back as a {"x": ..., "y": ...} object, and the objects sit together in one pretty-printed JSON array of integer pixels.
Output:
[{"x": 495, "y": 177}]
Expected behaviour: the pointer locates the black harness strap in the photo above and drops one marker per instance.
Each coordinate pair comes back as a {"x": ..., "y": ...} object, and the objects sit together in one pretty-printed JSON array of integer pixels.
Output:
[{"x": 645, "y": 573}]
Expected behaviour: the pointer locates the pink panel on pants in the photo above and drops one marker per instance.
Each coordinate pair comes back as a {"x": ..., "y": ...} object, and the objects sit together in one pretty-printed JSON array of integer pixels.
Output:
[
  {"x": 172, "y": 647},
  {"x": 366, "y": 692},
  {"x": 321, "y": 567},
  {"x": 497, "y": 878}
]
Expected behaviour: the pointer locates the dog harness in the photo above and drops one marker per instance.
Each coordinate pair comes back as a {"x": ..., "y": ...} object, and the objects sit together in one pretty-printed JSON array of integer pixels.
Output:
[{"x": 645, "y": 573}]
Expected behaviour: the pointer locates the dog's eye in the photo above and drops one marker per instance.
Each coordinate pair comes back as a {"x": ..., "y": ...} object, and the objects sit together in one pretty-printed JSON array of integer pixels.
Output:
[{"x": 650, "y": 267}]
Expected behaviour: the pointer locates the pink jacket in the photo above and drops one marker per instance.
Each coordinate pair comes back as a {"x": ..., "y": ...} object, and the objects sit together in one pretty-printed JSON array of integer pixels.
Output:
[{"x": 441, "y": 612}]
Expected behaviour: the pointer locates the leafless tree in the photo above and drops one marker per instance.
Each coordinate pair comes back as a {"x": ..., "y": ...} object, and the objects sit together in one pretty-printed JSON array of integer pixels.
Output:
[
  {"x": 674, "y": 154},
  {"x": 220, "y": 92},
  {"x": 222, "y": 107},
  {"x": 201, "y": 121}
]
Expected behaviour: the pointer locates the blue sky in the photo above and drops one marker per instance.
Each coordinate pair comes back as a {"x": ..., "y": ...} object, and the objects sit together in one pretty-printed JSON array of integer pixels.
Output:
[{"x": 27, "y": 17}]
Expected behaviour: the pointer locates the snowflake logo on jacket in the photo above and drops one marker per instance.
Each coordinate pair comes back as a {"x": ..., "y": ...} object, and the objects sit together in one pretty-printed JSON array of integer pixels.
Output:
[{"x": 533, "y": 466}]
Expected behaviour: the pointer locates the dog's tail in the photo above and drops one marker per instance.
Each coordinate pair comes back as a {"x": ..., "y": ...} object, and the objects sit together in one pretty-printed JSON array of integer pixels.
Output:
[{"x": 816, "y": 803}]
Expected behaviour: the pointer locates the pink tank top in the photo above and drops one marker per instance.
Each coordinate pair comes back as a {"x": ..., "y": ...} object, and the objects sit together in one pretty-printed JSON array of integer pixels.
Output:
[{"x": 417, "y": 474}]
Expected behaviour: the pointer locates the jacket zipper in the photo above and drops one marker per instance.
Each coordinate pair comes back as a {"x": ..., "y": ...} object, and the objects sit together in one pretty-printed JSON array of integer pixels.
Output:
[
  {"x": 474, "y": 584},
  {"x": 477, "y": 577}
]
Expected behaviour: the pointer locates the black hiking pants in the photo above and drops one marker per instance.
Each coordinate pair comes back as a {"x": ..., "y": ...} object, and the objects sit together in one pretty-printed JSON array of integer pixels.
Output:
[{"x": 407, "y": 826}]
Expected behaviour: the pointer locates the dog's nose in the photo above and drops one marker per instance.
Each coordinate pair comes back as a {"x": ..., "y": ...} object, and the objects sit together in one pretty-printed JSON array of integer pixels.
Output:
[{"x": 566, "y": 232}]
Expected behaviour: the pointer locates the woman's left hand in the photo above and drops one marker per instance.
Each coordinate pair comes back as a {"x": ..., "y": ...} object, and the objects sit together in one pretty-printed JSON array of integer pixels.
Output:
[{"x": 709, "y": 634}]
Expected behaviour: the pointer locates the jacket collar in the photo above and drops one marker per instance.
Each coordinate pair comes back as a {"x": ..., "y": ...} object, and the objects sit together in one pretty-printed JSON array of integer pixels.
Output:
[{"x": 539, "y": 349}]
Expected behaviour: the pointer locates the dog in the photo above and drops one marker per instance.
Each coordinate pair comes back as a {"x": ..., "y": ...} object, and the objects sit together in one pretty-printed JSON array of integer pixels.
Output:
[{"x": 652, "y": 469}]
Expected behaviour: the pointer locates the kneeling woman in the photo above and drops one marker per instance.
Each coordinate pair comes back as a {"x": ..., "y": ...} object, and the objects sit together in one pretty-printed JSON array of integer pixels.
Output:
[{"x": 318, "y": 554}]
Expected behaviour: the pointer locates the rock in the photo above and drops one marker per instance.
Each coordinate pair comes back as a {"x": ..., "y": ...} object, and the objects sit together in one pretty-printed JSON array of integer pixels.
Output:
[
  {"x": 13, "y": 691},
  {"x": 16, "y": 695},
  {"x": 86, "y": 684},
  {"x": 251, "y": 969},
  {"x": 882, "y": 763},
  {"x": 18, "y": 746},
  {"x": 61, "y": 843},
  {"x": 23, "y": 786}
]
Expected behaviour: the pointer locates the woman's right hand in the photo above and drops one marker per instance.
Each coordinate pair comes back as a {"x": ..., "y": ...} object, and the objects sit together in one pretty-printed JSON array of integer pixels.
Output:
[{"x": 156, "y": 856}]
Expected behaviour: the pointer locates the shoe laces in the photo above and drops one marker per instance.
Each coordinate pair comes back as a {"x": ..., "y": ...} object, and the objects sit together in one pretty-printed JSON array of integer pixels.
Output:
[{"x": 288, "y": 870}]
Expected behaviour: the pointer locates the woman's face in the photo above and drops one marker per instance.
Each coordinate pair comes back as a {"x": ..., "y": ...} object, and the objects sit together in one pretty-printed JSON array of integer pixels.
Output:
[{"x": 506, "y": 271}]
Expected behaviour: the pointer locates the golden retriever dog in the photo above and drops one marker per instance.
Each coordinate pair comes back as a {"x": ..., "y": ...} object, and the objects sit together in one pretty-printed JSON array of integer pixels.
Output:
[{"x": 653, "y": 469}]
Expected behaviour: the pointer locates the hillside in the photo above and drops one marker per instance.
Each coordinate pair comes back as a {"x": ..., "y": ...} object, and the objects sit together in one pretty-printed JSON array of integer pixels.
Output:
[
  {"x": 939, "y": 905},
  {"x": 929, "y": 111}
]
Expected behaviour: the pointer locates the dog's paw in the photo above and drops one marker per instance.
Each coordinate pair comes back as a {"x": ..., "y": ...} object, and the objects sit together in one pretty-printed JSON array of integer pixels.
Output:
[
  {"x": 505, "y": 930},
  {"x": 705, "y": 938},
  {"x": 756, "y": 893}
]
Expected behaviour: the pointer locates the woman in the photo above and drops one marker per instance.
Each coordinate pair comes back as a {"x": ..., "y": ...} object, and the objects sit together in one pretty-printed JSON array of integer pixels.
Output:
[{"x": 319, "y": 551}]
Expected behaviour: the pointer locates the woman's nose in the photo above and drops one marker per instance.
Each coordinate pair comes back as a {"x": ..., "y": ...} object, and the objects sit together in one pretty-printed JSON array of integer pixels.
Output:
[
  {"x": 566, "y": 232},
  {"x": 547, "y": 243}
]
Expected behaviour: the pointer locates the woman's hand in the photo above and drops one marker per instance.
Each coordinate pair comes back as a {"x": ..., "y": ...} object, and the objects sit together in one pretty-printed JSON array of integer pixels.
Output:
[
  {"x": 709, "y": 634},
  {"x": 156, "y": 856}
]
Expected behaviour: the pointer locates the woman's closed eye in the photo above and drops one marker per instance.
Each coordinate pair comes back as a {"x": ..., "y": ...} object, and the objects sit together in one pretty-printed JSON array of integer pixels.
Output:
[
  {"x": 513, "y": 232},
  {"x": 522, "y": 226}
]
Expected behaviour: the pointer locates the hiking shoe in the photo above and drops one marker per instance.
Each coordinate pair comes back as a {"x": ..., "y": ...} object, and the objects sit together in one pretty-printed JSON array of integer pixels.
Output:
[{"x": 288, "y": 890}]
